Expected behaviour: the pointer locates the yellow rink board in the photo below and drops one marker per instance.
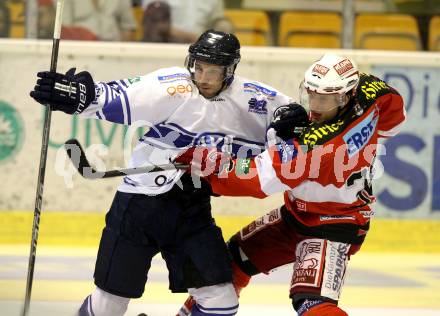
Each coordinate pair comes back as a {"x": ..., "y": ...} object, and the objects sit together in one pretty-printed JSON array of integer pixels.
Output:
[{"x": 84, "y": 229}]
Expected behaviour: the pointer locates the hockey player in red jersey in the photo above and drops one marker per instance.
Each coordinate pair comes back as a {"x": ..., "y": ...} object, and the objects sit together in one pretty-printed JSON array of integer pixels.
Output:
[{"x": 325, "y": 173}]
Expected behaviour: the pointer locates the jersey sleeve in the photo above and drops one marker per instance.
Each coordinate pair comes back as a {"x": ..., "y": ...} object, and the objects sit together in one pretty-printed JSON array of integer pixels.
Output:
[
  {"x": 392, "y": 114},
  {"x": 374, "y": 91},
  {"x": 272, "y": 96},
  {"x": 279, "y": 168},
  {"x": 129, "y": 101}
]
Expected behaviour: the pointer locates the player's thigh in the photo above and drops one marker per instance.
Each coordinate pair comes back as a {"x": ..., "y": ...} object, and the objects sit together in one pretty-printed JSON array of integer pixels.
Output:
[
  {"x": 267, "y": 243},
  {"x": 125, "y": 249},
  {"x": 201, "y": 259}
]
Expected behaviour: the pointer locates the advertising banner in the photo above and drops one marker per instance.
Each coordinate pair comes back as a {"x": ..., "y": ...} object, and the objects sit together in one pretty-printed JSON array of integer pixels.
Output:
[
  {"x": 411, "y": 182},
  {"x": 408, "y": 188}
]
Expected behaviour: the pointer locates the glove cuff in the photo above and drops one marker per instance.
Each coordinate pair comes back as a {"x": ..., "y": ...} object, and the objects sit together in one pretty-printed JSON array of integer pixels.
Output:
[{"x": 86, "y": 88}]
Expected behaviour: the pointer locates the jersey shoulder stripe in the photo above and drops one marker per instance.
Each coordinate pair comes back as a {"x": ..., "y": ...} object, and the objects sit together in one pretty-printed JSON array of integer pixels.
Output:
[
  {"x": 258, "y": 88},
  {"x": 171, "y": 75}
]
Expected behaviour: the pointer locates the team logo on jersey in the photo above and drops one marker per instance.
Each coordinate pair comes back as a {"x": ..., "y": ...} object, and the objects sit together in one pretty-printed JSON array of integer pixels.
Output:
[
  {"x": 11, "y": 131},
  {"x": 257, "y": 106},
  {"x": 287, "y": 151},
  {"x": 252, "y": 87},
  {"x": 357, "y": 137}
]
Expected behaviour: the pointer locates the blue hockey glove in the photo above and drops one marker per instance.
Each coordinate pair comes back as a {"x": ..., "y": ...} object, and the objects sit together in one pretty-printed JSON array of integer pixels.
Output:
[
  {"x": 68, "y": 92},
  {"x": 289, "y": 121}
]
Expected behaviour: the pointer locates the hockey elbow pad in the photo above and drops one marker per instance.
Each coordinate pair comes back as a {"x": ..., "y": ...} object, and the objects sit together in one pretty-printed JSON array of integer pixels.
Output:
[{"x": 71, "y": 93}]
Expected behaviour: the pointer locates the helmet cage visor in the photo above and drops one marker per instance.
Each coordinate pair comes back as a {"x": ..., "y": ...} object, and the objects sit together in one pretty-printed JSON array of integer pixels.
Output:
[
  {"x": 213, "y": 71},
  {"x": 320, "y": 102}
]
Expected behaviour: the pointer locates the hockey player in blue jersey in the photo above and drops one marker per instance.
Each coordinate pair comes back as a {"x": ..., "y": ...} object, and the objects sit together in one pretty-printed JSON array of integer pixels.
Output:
[{"x": 204, "y": 104}]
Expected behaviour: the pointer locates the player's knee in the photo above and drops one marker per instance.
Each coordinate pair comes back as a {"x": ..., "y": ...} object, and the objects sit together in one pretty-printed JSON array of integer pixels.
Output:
[
  {"x": 240, "y": 259},
  {"x": 101, "y": 303},
  {"x": 317, "y": 307},
  {"x": 218, "y": 299},
  {"x": 239, "y": 279}
]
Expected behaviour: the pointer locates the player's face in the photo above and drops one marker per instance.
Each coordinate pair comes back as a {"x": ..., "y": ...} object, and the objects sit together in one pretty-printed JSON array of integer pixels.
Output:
[
  {"x": 324, "y": 107},
  {"x": 208, "y": 78}
]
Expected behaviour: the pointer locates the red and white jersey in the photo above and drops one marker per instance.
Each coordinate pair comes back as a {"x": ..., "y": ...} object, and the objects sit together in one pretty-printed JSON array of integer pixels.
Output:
[{"x": 326, "y": 174}]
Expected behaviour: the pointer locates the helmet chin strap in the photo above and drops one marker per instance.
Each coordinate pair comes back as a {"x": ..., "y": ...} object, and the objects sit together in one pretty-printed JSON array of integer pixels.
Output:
[
  {"x": 343, "y": 107},
  {"x": 226, "y": 82},
  {"x": 225, "y": 85}
]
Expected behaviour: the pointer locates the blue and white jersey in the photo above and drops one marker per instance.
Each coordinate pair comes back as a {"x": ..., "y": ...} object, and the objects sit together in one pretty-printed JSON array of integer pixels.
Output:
[{"x": 167, "y": 101}]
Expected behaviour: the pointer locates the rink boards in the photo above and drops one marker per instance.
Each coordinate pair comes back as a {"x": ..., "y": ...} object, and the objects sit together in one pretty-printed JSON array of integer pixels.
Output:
[{"x": 84, "y": 229}]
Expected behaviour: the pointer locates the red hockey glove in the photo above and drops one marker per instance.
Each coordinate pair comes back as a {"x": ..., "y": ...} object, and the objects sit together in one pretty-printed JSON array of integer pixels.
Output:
[{"x": 204, "y": 161}]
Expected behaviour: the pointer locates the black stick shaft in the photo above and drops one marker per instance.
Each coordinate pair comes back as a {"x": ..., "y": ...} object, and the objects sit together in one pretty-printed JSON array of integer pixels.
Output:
[
  {"x": 79, "y": 159},
  {"x": 42, "y": 167}
]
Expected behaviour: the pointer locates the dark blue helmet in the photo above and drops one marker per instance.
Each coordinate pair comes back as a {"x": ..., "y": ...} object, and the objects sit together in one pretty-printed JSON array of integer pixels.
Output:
[{"x": 216, "y": 48}]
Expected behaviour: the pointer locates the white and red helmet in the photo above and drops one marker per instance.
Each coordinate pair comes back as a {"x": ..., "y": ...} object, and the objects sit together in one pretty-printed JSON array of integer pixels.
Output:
[{"x": 332, "y": 74}]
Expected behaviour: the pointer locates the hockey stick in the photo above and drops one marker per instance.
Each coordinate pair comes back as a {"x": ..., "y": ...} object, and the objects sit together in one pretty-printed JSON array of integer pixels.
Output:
[
  {"x": 78, "y": 157},
  {"x": 42, "y": 167}
]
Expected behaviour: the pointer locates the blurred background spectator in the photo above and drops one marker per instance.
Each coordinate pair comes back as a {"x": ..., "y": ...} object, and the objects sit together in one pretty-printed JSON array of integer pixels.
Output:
[
  {"x": 412, "y": 25},
  {"x": 5, "y": 20},
  {"x": 156, "y": 23},
  {"x": 46, "y": 21},
  {"x": 223, "y": 24},
  {"x": 190, "y": 18},
  {"x": 110, "y": 20}
]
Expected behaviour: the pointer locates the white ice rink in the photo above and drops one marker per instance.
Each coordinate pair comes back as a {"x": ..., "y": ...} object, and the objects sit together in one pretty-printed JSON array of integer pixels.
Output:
[{"x": 377, "y": 284}]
